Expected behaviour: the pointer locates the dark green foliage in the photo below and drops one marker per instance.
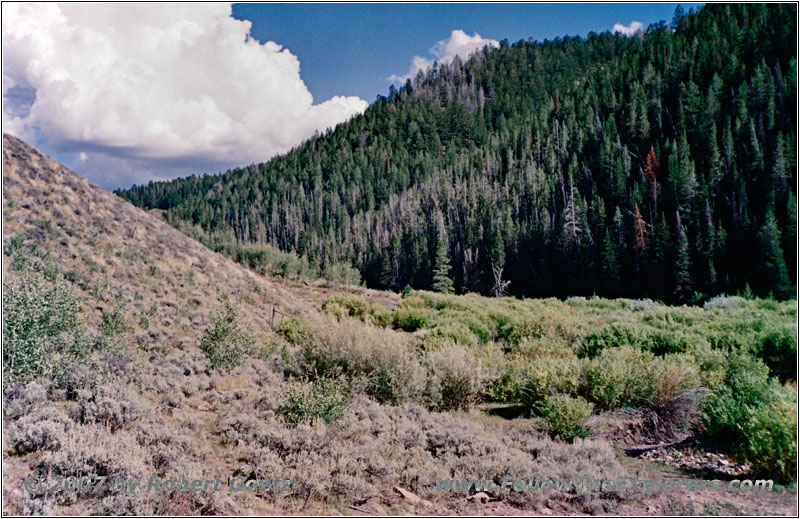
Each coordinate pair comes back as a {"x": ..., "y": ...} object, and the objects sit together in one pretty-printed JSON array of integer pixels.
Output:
[
  {"x": 682, "y": 290},
  {"x": 537, "y": 156},
  {"x": 410, "y": 319},
  {"x": 775, "y": 276}
]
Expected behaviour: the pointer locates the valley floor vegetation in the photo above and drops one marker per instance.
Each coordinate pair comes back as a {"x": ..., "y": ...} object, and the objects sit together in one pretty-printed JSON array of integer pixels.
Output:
[
  {"x": 727, "y": 369},
  {"x": 357, "y": 398}
]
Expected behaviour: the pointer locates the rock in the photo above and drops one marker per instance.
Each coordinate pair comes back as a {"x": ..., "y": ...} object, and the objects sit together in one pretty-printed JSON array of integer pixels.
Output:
[
  {"x": 373, "y": 507},
  {"x": 482, "y": 497},
  {"x": 411, "y": 497}
]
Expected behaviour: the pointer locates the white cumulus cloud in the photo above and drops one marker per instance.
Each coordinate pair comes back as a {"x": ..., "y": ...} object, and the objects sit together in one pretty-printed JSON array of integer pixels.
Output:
[
  {"x": 164, "y": 86},
  {"x": 458, "y": 44},
  {"x": 627, "y": 30}
]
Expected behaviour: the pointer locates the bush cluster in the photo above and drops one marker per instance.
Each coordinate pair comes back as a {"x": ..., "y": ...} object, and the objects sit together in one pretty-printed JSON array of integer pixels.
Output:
[
  {"x": 456, "y": 379},
  {"x": 345, "y": 305},
  {"x": 226, "y": 342},
  {"x": 755, "y": 416},
  {"x": 564, "y": 357},
  {"x": 566, "y": 415},
  {"x": 40, "y": 325},
  {"x": 321, "y": 399}
]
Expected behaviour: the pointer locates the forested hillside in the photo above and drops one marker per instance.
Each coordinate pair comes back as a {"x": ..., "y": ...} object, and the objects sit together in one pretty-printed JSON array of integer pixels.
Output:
[{"x": 661, "y": 165}]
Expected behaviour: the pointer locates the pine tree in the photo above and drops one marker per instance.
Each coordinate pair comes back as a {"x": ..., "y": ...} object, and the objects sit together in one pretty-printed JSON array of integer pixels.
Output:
[
  {"x": 471, "y": 272},
  {"x": 641, "y": 239},
  {"x": 790, "y": 236},
  {"x": 709, "y": 237},
  {"x": 774, "y": 274},
  {"x": 441, "y": 273},
  {"x": 682, "y": 290}
]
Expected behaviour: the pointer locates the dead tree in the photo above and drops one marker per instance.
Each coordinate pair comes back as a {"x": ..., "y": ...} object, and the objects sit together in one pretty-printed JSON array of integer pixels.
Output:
[{"x": 500, "y": 286}]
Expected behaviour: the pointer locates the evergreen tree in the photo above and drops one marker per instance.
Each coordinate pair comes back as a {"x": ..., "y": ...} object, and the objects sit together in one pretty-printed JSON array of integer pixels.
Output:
[
  {"x": 775, "y": 276},
  {"x": 441, "y": 273},
  {"x": 682, "y": 290}
]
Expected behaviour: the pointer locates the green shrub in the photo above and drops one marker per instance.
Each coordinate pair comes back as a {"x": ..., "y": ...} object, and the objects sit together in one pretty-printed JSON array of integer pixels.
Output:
[
  {"x": 380, "y": 315},
  {"x": 504, "y": 388},
  {"x": 307, "y": 402},
  {"x": 292, "y": 329},
  {"x": 456, "y": 378},
  {"x": 342, "y": 274},
  {"x": 531, "y": 328},
  {"x": 611, "y": 336},
  {"x": 619, "y": 376},
  {"x": 335, "y": 310},
  {"x": 354, "y": 305},
  {"x": 778, "y": 349},
  {"x": 755, "y": 417},
  {"x": 541, "y": 347},
  {"x": 39, "y": 315},
  {"x": 392, "y": 372},
  {"x": 415, "y": 300},
  {"x": 113, "y": 322},
  {"x": 771, "y": 447},
  {"x": 226, "y": 342},
  {"x": 565, "y": 416},
  {"x": 382, "y": 363},
  {"x": 411, "y": 319},
  {"x": 662, "y": 342},
  {"x": 451, "y": 333},
  {"x": 547, "y": 376}
]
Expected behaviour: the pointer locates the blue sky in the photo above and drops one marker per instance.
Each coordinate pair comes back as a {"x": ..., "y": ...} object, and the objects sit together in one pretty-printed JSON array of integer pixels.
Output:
[
  {"x": 350, "y": 49},
  {"x": 159, "y": 90}
]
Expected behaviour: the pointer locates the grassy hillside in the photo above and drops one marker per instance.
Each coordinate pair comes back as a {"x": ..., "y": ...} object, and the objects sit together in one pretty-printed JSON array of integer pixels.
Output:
[{"x": 131, "y": 350}]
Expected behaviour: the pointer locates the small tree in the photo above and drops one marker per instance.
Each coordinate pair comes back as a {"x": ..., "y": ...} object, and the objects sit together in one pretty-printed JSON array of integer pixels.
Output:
[
  {"x": 226, "y": 342},
  {"x": 775, "y": 275},
  {"x": 441, "y": 273}
]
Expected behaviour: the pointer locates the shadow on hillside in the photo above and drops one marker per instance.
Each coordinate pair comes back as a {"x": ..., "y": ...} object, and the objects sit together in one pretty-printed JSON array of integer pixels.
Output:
[{"x": 508, "y": 412}]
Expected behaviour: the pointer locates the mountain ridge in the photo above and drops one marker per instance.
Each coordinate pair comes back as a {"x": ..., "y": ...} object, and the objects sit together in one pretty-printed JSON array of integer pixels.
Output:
[{"x": 641, "y": 166}]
